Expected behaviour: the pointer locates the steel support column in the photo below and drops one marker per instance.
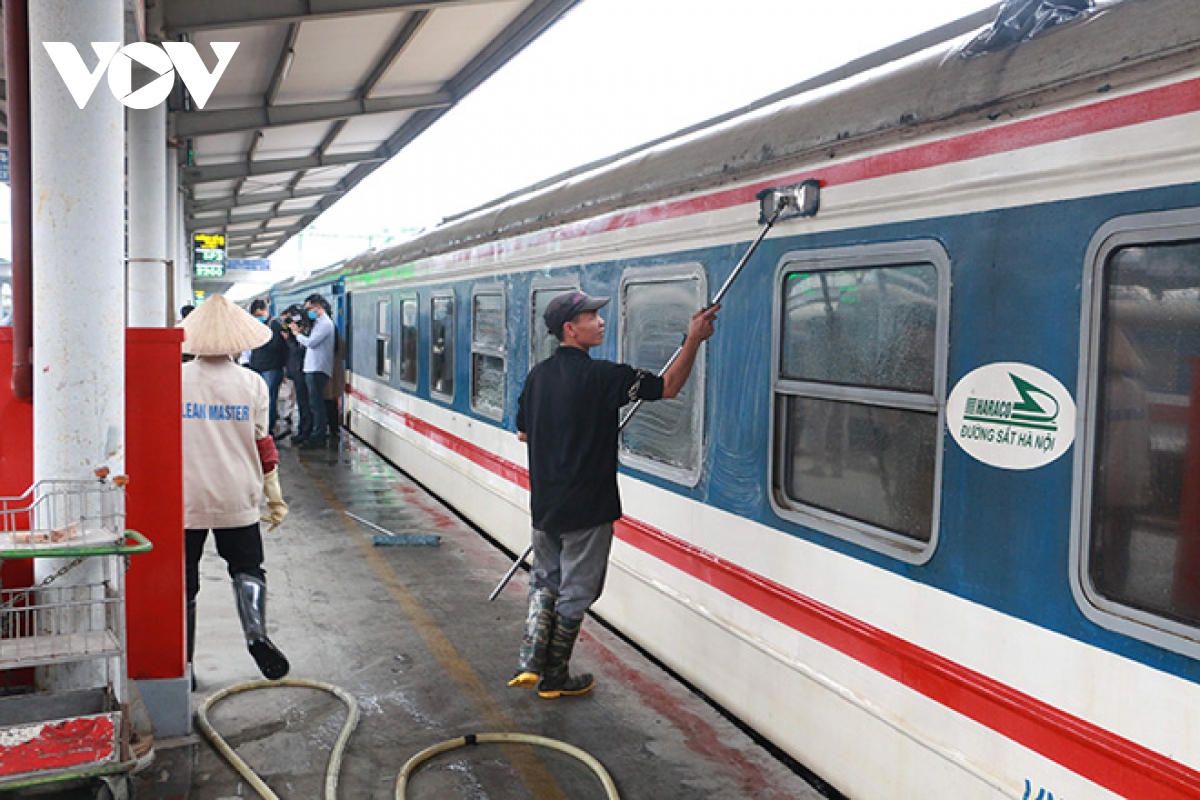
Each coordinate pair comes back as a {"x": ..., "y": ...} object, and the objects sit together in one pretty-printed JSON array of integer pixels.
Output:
[{"x": 149, "y": 284}]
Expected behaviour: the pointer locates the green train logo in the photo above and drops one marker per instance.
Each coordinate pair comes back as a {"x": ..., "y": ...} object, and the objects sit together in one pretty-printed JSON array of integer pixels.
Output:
[
  {"x": 1012, "y": 416},
  {"x": 1025, "y": 413}
]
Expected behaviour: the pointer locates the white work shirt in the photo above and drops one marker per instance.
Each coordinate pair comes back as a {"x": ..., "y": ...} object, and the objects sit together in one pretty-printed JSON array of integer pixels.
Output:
[
  {"x": 318, "y": 355},
  {"x": 224, "y": 415}
]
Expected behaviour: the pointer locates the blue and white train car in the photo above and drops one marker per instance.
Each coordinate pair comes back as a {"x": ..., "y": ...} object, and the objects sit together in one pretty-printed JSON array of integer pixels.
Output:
[{"x": 928, "y": 513}]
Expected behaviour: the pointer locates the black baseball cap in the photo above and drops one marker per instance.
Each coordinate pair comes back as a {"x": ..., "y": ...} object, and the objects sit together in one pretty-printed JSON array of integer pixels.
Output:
[{"x": 566, "y": 307}]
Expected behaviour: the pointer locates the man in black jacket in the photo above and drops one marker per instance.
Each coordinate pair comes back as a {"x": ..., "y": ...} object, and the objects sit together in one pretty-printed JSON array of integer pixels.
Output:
[
  {"x": 270, "y": 359},
  {"x": 568, "y": 413}
]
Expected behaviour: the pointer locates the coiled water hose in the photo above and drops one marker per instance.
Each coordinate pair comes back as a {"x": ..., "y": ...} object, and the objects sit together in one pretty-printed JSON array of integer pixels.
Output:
[{"x": 334, "y": 768}]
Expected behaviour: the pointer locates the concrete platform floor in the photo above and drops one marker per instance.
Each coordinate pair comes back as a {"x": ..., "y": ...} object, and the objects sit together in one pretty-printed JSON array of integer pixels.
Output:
[{"x": 409, "y": 633}]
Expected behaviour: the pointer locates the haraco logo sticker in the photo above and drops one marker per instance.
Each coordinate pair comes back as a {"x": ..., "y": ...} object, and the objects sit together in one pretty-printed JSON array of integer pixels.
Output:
[{"x": 1012, "y": 416}]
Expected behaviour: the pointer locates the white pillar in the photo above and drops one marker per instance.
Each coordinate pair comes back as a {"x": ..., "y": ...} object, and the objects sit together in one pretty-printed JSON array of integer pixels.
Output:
[
  {"x": 78, "y": 175},
  {"x": 174, "y": 220},
  {"x": 184, "y": 259},
  {"x": 149, "y": 297}
]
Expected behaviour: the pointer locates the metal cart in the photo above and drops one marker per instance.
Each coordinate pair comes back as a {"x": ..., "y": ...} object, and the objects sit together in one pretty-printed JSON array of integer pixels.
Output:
[{"x": 72, "y": 724}]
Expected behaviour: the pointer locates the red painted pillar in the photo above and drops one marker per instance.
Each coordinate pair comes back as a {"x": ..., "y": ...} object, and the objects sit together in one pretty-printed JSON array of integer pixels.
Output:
[
  {"x": 16, "y": 474},
  {"x": 1186, "y": 589},
  {"x": 154, "y": 502}
]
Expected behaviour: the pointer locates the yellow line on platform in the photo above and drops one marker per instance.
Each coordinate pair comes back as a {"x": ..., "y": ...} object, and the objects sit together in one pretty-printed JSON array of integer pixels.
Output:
[{"x": 533, "y": 771}]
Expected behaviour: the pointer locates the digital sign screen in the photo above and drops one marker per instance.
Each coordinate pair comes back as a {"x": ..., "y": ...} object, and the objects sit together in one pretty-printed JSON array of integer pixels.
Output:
[{"x": 208, "y": 255}]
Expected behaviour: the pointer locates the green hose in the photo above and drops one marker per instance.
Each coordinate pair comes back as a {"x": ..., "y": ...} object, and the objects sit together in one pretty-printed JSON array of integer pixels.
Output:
[{"x": 339, "y": 747}]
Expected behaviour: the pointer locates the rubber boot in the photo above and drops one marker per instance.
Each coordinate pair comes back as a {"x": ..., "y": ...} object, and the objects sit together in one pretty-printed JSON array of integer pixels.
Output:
[
  {"x": 191, "y": 640},
  {"x": 251, "y": 594},
  {"x": 538, "y": 623},
  {"x": 556, "y": 678}
]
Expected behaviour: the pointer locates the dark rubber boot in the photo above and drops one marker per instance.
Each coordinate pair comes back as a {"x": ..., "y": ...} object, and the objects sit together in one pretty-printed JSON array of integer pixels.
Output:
[
  {"x": 538, "y": 623},
  {"x": 557, "y": 680},
  {"x": 251, "y": 594}
]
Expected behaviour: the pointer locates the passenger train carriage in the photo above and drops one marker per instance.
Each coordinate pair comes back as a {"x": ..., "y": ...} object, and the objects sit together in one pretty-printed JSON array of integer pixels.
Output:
[{"x": 927, "y": 515}]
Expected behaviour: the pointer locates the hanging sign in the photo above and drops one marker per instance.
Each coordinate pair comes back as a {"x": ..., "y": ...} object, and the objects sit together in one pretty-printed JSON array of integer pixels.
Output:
[
  {"x": 1012, "y": 416},
  {"x": 208, "y": 255}
]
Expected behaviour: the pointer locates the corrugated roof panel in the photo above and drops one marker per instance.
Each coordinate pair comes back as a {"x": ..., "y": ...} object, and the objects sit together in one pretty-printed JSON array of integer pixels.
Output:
[
  {"x": 248, "y": 76},
  {"x": 299, "y": 204},
  {"x": 335, "y": 56},
  {"x": 449, "y": 40},
  {"x": 243, "y": 226},
  {"x": 354, "y": 75},
  {"x": 220, "y": 148},
  {"x": 283, "y": 222},
  {"x": 267, "y": 183},
  {"x": 215, "y": 189},
  {"x": 323, "y": 176},
  {"x": 364, "y": 133},
  {"x": 291, "y": 141}
]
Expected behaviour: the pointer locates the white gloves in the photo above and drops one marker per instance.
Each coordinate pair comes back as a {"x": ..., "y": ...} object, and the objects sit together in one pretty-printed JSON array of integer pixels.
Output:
[{"x": 276, "y": 509}]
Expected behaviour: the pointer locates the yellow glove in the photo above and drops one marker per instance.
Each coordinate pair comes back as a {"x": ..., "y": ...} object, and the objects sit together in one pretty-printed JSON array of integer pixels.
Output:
[{"x": 276, "y": 509}]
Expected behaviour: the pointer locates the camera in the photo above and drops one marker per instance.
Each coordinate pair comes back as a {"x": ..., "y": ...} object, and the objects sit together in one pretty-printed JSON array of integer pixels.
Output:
[{"x": 295, "y": 314}]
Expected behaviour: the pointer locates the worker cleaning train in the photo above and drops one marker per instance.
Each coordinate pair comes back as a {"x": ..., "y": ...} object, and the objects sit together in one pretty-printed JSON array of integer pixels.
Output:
[
  {"x": 568, "y": 414},
  {"x": 229, "y": 464}
]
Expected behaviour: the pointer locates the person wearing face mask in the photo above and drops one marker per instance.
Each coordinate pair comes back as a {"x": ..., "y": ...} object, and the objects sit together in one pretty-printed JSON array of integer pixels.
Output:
[
  {"x": 318, "y": 365},
  {"x": 270, "y": 359}
]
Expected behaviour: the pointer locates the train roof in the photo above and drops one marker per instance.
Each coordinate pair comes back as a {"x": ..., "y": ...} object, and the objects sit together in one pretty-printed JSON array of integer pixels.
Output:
[{"x": 934, "y": 85}]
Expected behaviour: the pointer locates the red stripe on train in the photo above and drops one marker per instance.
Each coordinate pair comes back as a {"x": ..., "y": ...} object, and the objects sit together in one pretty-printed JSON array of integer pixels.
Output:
[
  {"x": 1120, "y": 112},
  {"x": 1102, "y": 757}
]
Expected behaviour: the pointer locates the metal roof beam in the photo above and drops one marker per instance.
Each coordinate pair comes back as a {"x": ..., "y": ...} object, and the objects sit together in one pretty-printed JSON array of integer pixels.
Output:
[
  {"x": 228, "y": 218},
  {"x": 243, "y": 169},
  {"x": 242, "y": 238},
  {"x": 228, "y": 203},
  {"x": 184, "y": 16},
  {"x": 201, "y": 123}
]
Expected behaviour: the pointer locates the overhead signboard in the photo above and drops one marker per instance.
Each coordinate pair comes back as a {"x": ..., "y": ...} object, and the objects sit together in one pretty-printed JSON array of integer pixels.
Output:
[
  {"x": 250, "y": 264},
  {"x": 208, "y": 255}
]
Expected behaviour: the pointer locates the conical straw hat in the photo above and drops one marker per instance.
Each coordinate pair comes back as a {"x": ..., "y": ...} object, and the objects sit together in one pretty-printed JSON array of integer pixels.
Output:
[{"x": 219, "y": 328}]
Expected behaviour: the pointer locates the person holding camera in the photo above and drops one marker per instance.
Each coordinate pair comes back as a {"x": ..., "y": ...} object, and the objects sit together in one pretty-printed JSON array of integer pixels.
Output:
[
  {"x": 318, "y": 365},
  {"x": 295, "y": 371},
  {"x": 270, "y": 359}
]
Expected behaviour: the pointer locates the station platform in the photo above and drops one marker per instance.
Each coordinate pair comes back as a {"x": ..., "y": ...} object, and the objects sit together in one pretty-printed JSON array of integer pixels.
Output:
[{"x": 408, "y": 631}]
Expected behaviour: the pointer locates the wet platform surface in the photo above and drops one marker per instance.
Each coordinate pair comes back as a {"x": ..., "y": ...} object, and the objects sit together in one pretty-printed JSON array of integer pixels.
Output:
[{"x": 408, "y": 631}]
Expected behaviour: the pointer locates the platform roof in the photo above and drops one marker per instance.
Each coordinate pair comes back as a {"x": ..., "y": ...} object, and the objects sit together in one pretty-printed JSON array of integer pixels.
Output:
[{"x": 320, "y": 93}]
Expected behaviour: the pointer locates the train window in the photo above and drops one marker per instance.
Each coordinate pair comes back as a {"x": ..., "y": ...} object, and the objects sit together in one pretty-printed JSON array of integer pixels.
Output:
[
  {"x": 383, "y": 339},
  {"x": 441, "y": 346},
  {"x": 859, "y": 393},
  {"x": 656, "y": 303},
  {"x": 1140, "y": 544},
  {"x": 488, "y": 340},
  {"x": 542, "y": 343},
  {"x": 408, "y": 342}
]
